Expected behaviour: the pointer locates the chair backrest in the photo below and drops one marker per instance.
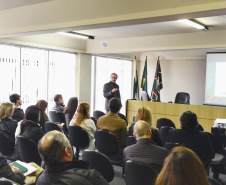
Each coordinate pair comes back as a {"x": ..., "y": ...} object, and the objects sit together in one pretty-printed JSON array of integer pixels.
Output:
[
  {"x": 66, "y": 119},
  {"x": 144, "y": 96},
  {"x": 130, "y": 141},
  {"x": 6, "y": 147},
  {"x": 94, "y": 120},
  {"x": 163, "y": 133},
  {"x": 28, "y": 150},
  {"x": 165, "y": 122},
  {"x": 138, "y": 173},
  {"x": 56, "y": 117},
  {"x": 49, "y": 126},
  {"x": 123, "y": 117},
  {"x": 97, "y": 114},
  {"x": 105, "y": 142},
  {"x": 220, "y": 135},
  {"x": 100, "y": 162},
  {"x": 78, "y": 136},
  {"x": 214, "y": 182},
  {"x": 182, "y": 98}
]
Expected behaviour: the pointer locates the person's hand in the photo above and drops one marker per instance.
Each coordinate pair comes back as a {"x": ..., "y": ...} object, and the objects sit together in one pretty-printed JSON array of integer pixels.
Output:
[
  {"x": 13, "y": 168},
  {"x": 114, "y": 90}
]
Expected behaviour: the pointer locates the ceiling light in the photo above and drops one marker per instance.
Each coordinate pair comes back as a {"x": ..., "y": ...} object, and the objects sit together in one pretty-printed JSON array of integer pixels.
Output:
[
  {"x": 76, "y": 35},
  {"x": 194, "y": 23}
]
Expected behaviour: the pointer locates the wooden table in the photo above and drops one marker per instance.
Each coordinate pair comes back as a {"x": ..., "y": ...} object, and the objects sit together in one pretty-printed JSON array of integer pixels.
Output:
[{"x": 206, "y": 114}]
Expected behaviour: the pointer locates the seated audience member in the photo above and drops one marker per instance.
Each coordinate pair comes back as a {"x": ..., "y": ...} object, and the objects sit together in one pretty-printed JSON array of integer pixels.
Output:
[
  {"x": 56, "y": 152},
  {"x": 145, "y": 114},
  {"x": 191, "y": 138},
  {"x": 82, "y": 119},
  {"x": 182, "y": 166},
  {"x": 144, "y": 150},
  {"x": 30, "y": 127},
  {"x": 59, "y": 107},
  {"x": 10, "y": 172},
  {"x": 71, "y": 108},
  {"x": 116, "y": 125},
  {"x": 18, "y": 112},
  {"x": 42, "y": 105},
  {"x": 8, "y": 127}
]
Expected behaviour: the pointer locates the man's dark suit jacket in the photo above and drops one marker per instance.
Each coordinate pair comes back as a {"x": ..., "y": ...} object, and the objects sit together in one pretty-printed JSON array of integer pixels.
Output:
[
  {"x": 198, "y": 141},
  {"x": 147, "y": 152},
  {"x": 108, "y": 87}
]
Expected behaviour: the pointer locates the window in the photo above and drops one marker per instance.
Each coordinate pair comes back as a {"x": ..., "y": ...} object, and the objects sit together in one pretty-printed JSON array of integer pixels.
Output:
[
  {"x": 102, "y": 69},
  {"x": 36, "y": 74}
]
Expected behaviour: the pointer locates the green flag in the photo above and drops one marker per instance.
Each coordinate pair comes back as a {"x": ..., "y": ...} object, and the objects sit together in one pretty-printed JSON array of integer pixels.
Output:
[
  {"x": 135, "y": 87},
  {"x": 157, "y": 85},
  {"x": 144, "y": 83}
]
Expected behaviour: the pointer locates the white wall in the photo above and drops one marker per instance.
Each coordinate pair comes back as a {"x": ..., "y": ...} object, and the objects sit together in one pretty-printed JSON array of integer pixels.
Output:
[
  {"x": 83, "y": 78},
  {"x": 178, "y": 76}
]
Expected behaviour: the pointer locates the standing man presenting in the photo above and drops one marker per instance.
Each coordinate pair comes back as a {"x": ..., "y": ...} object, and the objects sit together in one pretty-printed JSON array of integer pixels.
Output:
[{"x": 111, "y": 90}]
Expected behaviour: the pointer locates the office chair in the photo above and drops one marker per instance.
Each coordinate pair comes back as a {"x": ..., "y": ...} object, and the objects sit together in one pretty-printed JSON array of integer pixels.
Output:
[
  {"x": 28, "y": 150},
  {"x": 144, "y": 96},
  {"x": 182, "y": 98},
  {"x": 123, "y": 117},
  {"x": 97, "y": 114},
  {"x": 130, "y": 141},
  {"x": 78, "y": 137},
  {"x": 6, "y": 147},
  {"x": 49, "y": 126},
  {"x": 165, "y": 122},
  {"x": 138, "y": 173},
  {"x": 100, "y": 162}
]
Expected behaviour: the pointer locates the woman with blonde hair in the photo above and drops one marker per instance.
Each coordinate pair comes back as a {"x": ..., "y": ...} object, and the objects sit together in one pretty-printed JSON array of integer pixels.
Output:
[
  {"x": 82, "y": 119},
  {"x": 145, "y": 114},
  {"x": 8, "y": 127},
  {"x": 7, "y": 124},
  {"x": 182, "y": 166}
]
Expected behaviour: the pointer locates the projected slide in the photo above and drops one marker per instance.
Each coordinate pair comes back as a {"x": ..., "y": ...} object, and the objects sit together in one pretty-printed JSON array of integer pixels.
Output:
[
  {"x": 215, "y": 91},
  {"x": 220, "y": 81}
]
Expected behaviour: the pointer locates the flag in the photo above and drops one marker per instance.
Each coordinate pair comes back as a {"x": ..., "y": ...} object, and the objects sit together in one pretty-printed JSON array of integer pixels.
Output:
[
  {"x": 135, "y": 87},
  {"x": 143, "y": 83},
  {"x": 135, "y": 82},
  {"x": 157, "y": 85}
]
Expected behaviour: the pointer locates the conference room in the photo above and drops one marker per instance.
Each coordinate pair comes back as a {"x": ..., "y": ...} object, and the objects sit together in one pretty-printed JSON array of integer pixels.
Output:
[{"x": 42, "y": 54}]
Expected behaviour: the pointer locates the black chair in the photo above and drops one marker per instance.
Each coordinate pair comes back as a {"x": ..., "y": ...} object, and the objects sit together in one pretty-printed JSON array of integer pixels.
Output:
[
  {"x": 49, "y": 126},
  {"x": 165, "y": 122},
  {"x": 144, "y": 96},
  {"x": 130, "y": 141},
  {"x": 66, "y": 120},
  {"x": 100, "y": 162},
  {"x": 78, "y": 137},
  {"x": 94, "y": 120},
  {"x": 28, "y": 150},
  {"x": 182, "y": 98},
  {"x": 219, "y": 161},
  {"x": 163, "y": 132},
  {"x": 123, "y": 117},
  {"x": 214, "y": 182},
  {"x": 105, "y": 142},
  {"x": 138, "y": 173},
  {"x": 6, "y": 147},
  {"x": 56, "y": 117},
  {"x": 134, "y": 118},
  {"x": 97, "y": 114}
]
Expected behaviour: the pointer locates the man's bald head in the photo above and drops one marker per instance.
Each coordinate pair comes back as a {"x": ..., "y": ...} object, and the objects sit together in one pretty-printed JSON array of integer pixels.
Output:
[
  {"x": 52, "y": 147},
  {"x": 141, "y": 130}
]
